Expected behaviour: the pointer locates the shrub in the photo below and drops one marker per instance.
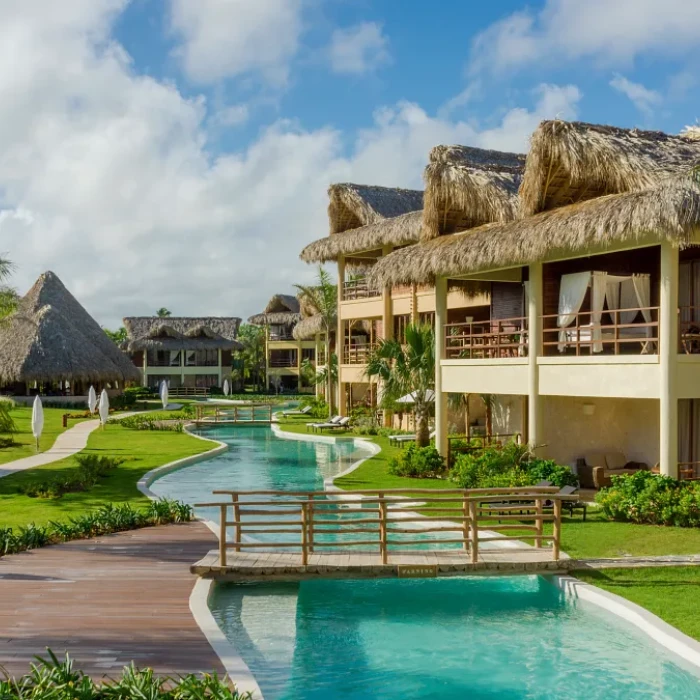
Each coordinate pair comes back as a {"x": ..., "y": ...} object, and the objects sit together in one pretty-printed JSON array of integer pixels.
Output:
[
  {"x": 549, "y": 470},
  {"x": 319, "y": 407},
  {"x": 173, "y": 422},
  {"x": 422, "y": 462},
  {"x": 124, "y": 402},
  {"x": 651, "y": 499}
]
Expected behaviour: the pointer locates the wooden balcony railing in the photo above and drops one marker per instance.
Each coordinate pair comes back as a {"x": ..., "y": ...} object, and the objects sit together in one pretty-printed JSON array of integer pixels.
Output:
[
  {"x": 281, "y": 336},
  {"x": 689, "y": 470},
  {"x": 582, "y": 337},
  {"x": 379, "y": 520},
  {"x": 480, "y": 340},
  {"x": 282, "y": 362},
  {"x": 357, "y": 354},
  {"x": 358, "y": 289},
  {"x": 689, "y": 329}
]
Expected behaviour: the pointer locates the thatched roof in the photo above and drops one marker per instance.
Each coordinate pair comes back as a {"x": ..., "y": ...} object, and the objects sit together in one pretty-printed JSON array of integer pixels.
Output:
[
  {"x": 281, "y": 310},
  {"x": 570, "y": 162},
  {"x": 670, "y": 211},
  {"x": 351, "y": 206},
  {"x": 396, "y": 231},
  {"x": 308, "y": 327},
  {"x": 52, "y": 337},
  {"x": 181, "y": 333},
  {"x": 467, "y": 187}
]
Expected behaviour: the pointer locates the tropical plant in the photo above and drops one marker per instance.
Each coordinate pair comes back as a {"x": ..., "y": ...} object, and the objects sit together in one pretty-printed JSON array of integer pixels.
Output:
[
  {"x": 253, "y": 354},
  {"x": 118, "y": 336},
  {"x": 408, "y": 368},
  {"x": 8, "y": 296},
  {"x": 323, "y": 298},
  {"x": 163, "y": 312},
  {"x": 7, "y": 424},
  {"x": 423, "y": 462}
]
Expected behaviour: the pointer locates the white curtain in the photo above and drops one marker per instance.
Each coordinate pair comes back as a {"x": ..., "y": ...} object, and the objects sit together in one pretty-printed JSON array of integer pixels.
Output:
[
  {"x": 526, "y": 297},
  {"x": 571, "y": 295},
  {"x": 685, "y": 449},
  {"x": 598, "y": 294}
]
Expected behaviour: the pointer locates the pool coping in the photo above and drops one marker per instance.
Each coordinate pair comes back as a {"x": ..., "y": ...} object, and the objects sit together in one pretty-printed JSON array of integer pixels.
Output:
[{"x": 651, "y": 625}]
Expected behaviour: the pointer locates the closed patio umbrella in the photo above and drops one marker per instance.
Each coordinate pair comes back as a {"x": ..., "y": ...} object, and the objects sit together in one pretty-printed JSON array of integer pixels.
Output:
[
  {"x": 92, "y": 399},
  {"x": 104, "y": 407},
  {"x": 226, "y": 387},
  {"x": 164, "y": 393},
  {"x": 411, "y": 398},
  {"x": 37, "y": 420}
]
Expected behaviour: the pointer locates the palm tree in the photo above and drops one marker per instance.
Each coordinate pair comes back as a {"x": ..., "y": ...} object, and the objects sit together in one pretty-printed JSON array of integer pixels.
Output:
[
  {"x": 163, "y": 312},
  {"x": 408, "y": 368},
  {"x": 8, "y": 296},
  {"x": 323, "y": 297},
  {"x": 253, "y": 353}
]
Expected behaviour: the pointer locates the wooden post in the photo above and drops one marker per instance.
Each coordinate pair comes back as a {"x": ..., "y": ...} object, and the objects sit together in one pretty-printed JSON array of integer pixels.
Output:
[
  {"x": 556, "y": 534},
  {"x": 538, "y": 522},
  {"x": 310, "y": 523},
  {"x": 465, "y": 524},
  {"x": 222, "y": 535},
  {"x": 304, "y": 535},
  {"x": 473, "y": 522},
  {"x": 237, "y": 518},
  {"x": 382, "y": 529}
]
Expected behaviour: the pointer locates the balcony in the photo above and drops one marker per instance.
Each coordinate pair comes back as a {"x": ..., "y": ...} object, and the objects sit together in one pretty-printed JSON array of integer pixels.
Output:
[
  {"x": 281, "y": 362},
  {"x": 486, "y": 340},
  {"x": 358, "y": 354},
  {"x": 689, "y": 330},
  {"x": 358, "y": 289},
  {"x": 284, "y": 335}
]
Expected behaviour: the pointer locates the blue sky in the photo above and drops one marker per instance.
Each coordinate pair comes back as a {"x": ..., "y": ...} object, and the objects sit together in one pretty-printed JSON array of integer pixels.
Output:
[{"x": 182, "y": 149}]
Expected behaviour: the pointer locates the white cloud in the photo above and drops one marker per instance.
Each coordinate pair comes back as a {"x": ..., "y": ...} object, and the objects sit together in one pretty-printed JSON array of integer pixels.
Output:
[
  {"x": 359, "y": 49},
  {"x": 610, "y": 32},
  {"x": 226, "y": 38},
  {"x": 106, "y": 176},
  {"x": 642, "y": 97},
  {"x": 234, "y": 115}
]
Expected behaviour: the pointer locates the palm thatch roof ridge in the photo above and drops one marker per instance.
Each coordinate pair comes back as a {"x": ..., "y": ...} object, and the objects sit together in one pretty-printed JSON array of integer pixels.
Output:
[
  {"x": 668, "y": 212},
  {"x": 281, "y": 310},
  {"x": 351, "y": 205},
  {"x": 467, "y": 186},
  {"x": 308, "y": 327},
  {"x": 181, "y": 333},
  {"x": 395, "y": 231},
  {"x": 569, "y": 162},
  {"x": 51, "y": 337}
]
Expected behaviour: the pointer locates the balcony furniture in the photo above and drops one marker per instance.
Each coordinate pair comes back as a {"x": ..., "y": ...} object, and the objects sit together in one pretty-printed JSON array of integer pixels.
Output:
[
  {"x": 605, "y": 465},
  {"x": 690, "y": 339}
]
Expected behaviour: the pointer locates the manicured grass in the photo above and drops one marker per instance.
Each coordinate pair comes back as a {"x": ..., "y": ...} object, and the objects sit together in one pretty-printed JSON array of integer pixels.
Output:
[
  {"x": 597, "y": 537},
  {"x": 25, "y": 447},
  {"x": 671, "y": 592},
  {"x": 142, "y": 451}
]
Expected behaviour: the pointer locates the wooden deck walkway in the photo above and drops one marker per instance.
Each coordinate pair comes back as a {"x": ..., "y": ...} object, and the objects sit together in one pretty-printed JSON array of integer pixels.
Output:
[
  {"x": 107, "y": 601},
  {"x": 287, "y": 566}
]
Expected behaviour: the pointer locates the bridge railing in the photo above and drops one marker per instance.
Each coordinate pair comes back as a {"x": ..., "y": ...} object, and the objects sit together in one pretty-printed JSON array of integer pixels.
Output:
[
  {"x": 249, "y": 413},
  {"x": 388, "y": 519}
]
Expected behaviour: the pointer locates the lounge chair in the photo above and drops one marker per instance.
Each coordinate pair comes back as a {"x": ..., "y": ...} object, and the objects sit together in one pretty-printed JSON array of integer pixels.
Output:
[
  {"x": 400, "y": 439},
  {"x": 314, "y": 426},
  {"x": 569, "y": 505},
  {"x": 342, "y": 423},
  {"x": 511, "y": 502},
  {"x": 303, "y": 412}
]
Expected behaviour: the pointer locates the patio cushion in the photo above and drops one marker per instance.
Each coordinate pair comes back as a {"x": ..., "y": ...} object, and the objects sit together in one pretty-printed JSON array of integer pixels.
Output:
[
  {"x": 594, "y": 459},
  {"x": 615, "y": 460}
]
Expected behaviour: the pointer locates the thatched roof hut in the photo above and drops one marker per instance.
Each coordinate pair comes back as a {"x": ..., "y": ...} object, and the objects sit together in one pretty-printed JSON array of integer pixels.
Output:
[
  {"x": 467, "y": 187},
  {"x": 570, "y": 162},
  {"x": 52, "y": 338},
  {"x": 351, "y": 206},
  {"x": 308, "y": 327},
  {"x": 670, "y": 211},
  {"x": 281, "y": 310},
  {"x": 181, "y": 333}
]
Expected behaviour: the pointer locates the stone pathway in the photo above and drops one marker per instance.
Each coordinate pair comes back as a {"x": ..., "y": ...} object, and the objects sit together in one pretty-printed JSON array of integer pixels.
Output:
[
  {"x": 107, "y": 601},
  {"x": 67, "y": 443},
  {"x": 637, "y": 562}
]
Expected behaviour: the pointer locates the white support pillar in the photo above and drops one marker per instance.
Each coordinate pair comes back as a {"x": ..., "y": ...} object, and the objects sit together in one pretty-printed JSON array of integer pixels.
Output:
[
  {"x": 145, "y": 367},
  {"x": 340, "y": 340},
  {"x": 440, "y": 391},
  {"x": 668, "y": 352},
  {"x": 534, "y": 350},
  {"x": 221, "y": 369}
]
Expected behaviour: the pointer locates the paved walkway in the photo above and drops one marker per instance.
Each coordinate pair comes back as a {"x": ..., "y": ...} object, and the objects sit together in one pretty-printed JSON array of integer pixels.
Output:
[
  {"x": 67, "y": 443},
  {"x": 107, "y": 601}
]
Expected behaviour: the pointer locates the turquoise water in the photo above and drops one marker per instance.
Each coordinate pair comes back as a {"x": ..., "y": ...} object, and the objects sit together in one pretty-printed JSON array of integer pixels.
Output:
[{"x": 448, "y": 639}]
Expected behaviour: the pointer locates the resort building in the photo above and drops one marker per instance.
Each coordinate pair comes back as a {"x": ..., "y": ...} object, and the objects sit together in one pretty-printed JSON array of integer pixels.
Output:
[
  {"x": 285, "y": 354},
  {"x": 464, "y": 186},
  {"x": 53, "y": 346},
  {"x": 598, "y": 363},
  {"x": 191, "y": 354}
]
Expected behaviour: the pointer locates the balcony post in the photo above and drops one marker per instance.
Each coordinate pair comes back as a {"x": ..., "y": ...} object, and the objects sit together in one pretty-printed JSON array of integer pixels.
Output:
[
  {"x": 668, "y": 350},
  {"x": 534, "y": 350},
  {"x": 440, "y": 391},
  {"x": 387, "y": 334},
  {"x": 299, "y": 366},
  {"x": 145, "y": 367}
]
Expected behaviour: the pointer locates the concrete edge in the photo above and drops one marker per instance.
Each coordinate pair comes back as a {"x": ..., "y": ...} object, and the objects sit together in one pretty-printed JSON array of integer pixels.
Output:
[
  {"x": 233, "y": 663},
  {"x": 653, "y": 626}
]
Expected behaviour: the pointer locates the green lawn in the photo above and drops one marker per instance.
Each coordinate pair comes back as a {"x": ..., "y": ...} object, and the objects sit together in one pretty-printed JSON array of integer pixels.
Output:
[
  {"x": 671, "y": 592},
  {"x": 597, "y": 537},
  {"x": 142, "y": 449},
  {"x": 53, "y": 427}
]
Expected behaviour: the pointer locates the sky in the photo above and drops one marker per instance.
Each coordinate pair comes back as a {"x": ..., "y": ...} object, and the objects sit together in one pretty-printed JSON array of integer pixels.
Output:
[{"x": 177, "y": 153}]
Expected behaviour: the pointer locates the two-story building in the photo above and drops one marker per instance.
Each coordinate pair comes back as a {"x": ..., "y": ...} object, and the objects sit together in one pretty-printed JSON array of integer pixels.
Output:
[
  {"x": 191, "y": 354},
  {"x": 600, "y": 359},
  {"x": 284, "y": 353}
]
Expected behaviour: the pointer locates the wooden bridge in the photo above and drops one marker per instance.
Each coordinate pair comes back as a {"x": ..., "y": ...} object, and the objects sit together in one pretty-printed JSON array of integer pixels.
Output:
[
  {"x": 257, "y": 414},
  {"x": 294, "y": 535}
]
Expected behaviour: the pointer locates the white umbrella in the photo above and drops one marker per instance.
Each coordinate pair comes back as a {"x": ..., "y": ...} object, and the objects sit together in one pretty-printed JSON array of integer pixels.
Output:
[
  {"x": 164, "y": 393},
  {"x": 37, "y": 420},
  {"x": 104, "y": 407},
  {"x": 226, "y": 387},
  {"x": 411, "y": 398},
  {"x": 92, "y": 399}
]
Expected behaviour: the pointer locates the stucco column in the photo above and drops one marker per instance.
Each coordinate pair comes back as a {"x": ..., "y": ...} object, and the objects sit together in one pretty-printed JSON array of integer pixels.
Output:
[
  {"x": 183, "y": 354},
  {"x": 220, "y": 366},
  {"x": 534, "y": 350},
  {"x": 299, "y": 366},
  {"x": 145, "y": 367},
  {"x": 440, "y": 391},
  {"x": 340, "y": 339},
  {"x": 668, "y": 352},
  {"x": 387, "y": 334}
]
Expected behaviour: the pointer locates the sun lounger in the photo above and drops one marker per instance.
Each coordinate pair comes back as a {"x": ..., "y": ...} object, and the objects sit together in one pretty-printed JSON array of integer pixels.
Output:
[
  {"x": 303, "y": 412},
  {"x": 511, "y": 502},
  {"x": 315, "y": 426},
  {"x": 400, "y": 439},
  {"x": 569, "y": 505},
  {"x": 342, "y": 423}
]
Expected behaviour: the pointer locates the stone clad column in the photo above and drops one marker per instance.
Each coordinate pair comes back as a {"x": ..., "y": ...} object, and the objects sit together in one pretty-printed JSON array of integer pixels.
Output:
[
  {"x": 668, "y": 358},
  {"x": 534, "y": 350}
]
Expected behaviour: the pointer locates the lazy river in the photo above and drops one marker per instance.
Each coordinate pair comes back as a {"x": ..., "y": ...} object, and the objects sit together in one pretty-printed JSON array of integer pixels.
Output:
[{"x": 470, "y": 637}]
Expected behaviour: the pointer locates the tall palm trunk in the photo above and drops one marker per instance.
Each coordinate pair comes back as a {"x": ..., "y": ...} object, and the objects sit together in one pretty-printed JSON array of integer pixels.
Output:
[{"x": 422, "y": 427}]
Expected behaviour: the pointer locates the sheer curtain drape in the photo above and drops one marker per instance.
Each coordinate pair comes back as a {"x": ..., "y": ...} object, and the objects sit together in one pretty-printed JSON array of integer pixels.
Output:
[{"x": 571, "y": 295}]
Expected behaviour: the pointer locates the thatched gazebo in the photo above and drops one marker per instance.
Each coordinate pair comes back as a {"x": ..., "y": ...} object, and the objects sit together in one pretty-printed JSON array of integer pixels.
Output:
[
  {"x": 51, "y": 339},
  {"x": 281, "y": 310}
]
